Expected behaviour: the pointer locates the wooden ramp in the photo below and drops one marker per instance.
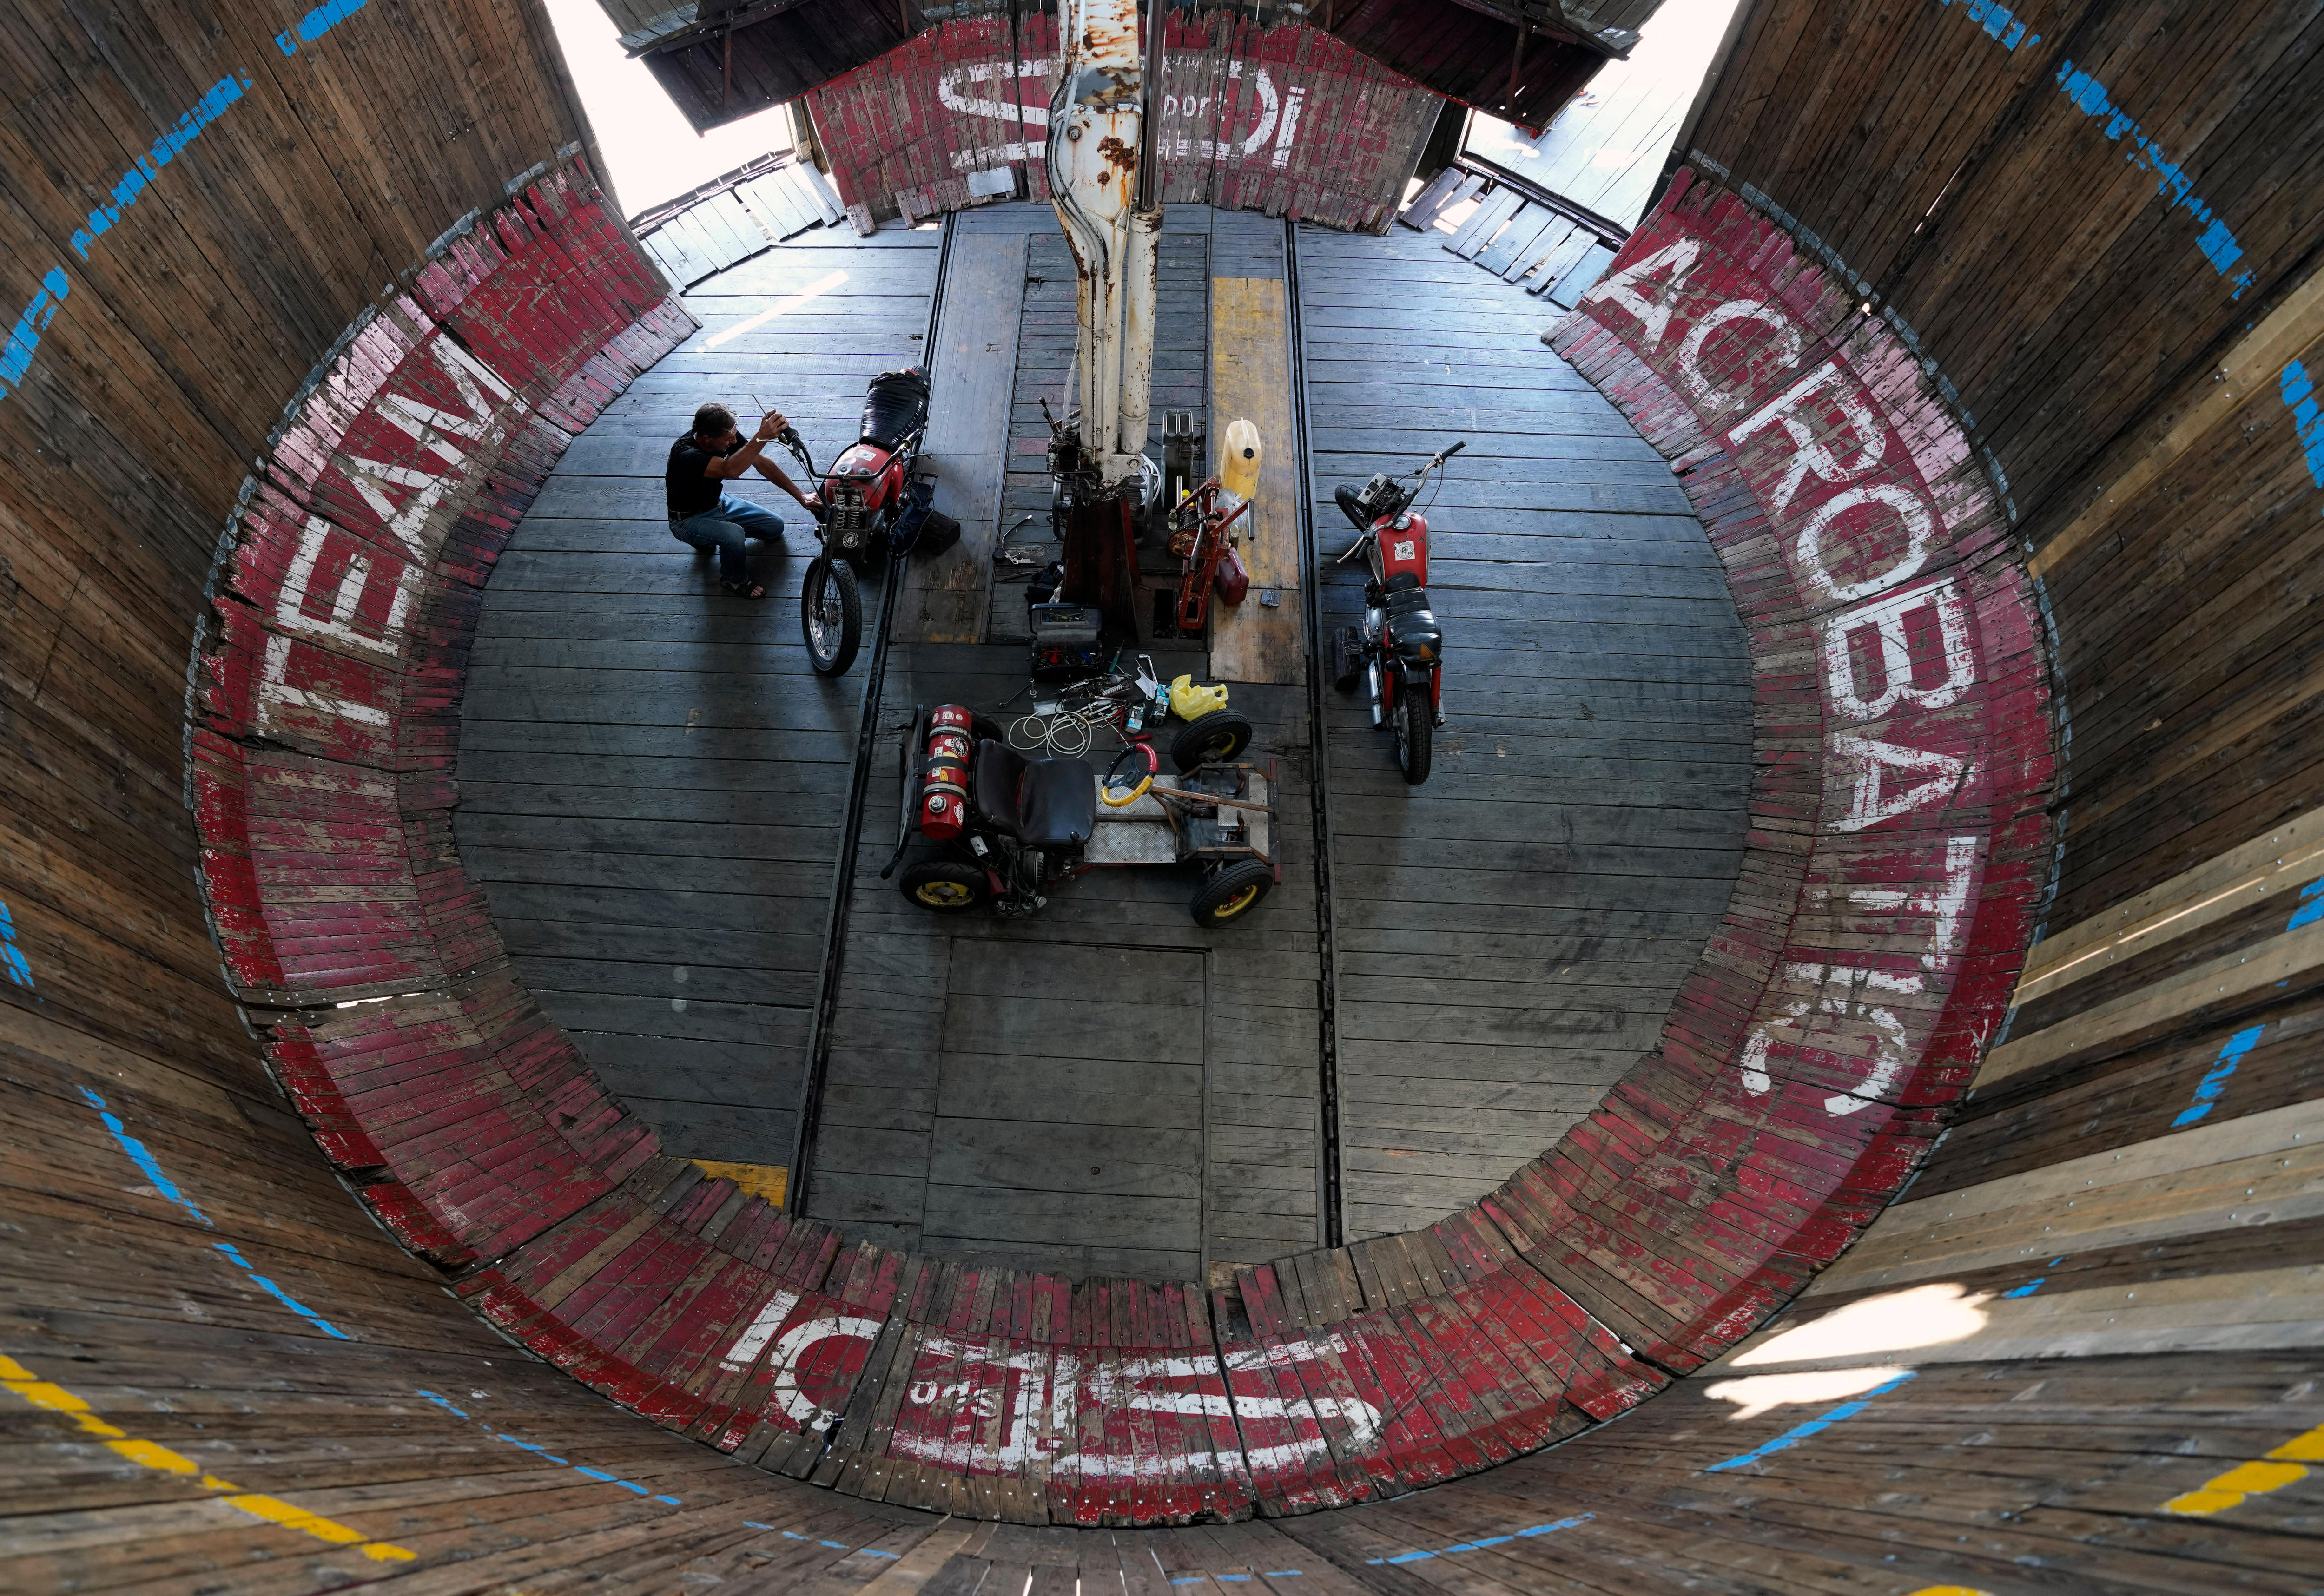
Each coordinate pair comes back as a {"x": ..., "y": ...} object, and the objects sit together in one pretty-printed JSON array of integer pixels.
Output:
[{"x": 1258, "y": 640}]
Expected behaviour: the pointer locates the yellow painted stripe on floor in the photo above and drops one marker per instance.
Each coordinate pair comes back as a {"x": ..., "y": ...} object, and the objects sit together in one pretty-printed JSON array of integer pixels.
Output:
[
  {"x": 756, "y": 1180},
  {"x": 151, "y": 1455},
  {"x": 2278, "y": 1469},
  {"x": 1250, "y": 379}
]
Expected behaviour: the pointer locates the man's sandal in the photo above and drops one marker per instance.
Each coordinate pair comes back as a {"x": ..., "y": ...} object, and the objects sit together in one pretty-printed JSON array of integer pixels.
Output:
[{"x": 744, "y": 589}]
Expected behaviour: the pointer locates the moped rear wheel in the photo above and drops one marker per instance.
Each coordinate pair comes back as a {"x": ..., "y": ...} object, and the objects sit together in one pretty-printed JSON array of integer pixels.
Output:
[
  {"x": 1416, "y": 728},
  {"x": 831, "y": 614}
]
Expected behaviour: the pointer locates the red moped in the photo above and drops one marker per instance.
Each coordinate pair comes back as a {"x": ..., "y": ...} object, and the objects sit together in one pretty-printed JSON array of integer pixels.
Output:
[
  {"x": 876, "y": 500},
  {"x": 1399, "y": 648}
]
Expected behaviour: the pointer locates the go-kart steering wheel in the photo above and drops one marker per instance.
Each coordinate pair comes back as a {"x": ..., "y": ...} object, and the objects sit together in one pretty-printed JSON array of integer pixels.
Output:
[{"x": 1121, "y": 781}]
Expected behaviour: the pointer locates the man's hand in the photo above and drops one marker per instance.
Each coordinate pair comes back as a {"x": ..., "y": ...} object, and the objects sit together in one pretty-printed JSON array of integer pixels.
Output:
[
  {"x": 811, "y": 500},
  {"x": 770, "y": 424}
]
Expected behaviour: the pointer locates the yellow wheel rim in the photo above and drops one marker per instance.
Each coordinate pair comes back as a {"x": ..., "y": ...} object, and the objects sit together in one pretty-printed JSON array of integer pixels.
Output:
[
  {"x": 943, "y": 894},
  {"x": 1237, "y": 904}
]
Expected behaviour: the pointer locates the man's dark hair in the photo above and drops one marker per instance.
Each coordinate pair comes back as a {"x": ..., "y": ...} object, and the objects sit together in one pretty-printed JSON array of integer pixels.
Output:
[{"x": 712, "y": 420}]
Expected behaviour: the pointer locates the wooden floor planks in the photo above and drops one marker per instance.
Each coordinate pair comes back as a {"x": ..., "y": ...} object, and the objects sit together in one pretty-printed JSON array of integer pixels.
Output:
[
  {"x": 1511, "y": 935},
  {"x": 651, "y": 780},
  {"x": 651, "y": 774},
  {"x": 1103, "y": 1089}
]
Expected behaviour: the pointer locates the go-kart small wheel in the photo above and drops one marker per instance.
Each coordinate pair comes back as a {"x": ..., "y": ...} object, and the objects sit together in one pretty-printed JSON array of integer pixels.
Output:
[
  {"x": 1211, "y": 740},
  {"x": 1232, "y": 893},
  {"x": 945, "y": 886}
]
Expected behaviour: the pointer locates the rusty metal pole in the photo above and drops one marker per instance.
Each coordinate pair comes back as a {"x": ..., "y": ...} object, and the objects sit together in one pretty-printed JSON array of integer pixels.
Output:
[
  {"x": 1103, "y": 166},
  {"x": 1149, "y": 138}
]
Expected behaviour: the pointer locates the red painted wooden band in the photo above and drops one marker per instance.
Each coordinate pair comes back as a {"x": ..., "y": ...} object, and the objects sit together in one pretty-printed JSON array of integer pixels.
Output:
[{"x": 1896, "y": 845}]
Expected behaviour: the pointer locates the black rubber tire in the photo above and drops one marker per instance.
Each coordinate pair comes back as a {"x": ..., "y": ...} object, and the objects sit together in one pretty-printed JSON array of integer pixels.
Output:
[
  {"x": 1416, "y": 728},
  {"x": 922, "y": 882},
  {"x": 1347, "y": 658},
  {"x": 1210, "y": 740},
  {"x": 1232, "y": 893},
  {"x": 844, "y": 614}
]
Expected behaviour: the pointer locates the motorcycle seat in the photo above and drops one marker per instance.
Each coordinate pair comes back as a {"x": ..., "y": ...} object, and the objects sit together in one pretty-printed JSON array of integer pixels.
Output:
[
  {"x": 895, "y": 406},
  {"x": 1045, "y": 804},
  {"x": 1413, "y": 625}
]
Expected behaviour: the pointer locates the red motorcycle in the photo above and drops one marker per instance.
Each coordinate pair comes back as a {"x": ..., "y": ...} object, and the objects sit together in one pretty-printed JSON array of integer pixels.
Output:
[
  {"x": 876, "y": 502},
  {"x": 1399, "y": 648}
]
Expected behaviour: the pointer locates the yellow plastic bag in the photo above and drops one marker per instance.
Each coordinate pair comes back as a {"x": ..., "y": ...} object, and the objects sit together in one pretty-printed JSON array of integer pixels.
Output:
[{"x": 1189, "y": 702}]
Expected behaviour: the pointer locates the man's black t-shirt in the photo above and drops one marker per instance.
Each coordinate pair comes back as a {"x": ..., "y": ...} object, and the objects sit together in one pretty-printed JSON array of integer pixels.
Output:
[{"x": 687, "y": 489}]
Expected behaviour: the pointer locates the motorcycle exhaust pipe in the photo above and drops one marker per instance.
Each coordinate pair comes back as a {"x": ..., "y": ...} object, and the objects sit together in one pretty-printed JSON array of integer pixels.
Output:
[{"x": 1372, "y": 680}]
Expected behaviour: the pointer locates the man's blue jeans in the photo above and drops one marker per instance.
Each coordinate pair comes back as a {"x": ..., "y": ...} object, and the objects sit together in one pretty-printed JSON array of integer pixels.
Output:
[{"x": 725, "y": 528}]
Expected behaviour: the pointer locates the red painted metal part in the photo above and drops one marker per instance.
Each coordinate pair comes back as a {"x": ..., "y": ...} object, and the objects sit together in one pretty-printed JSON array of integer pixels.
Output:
[
  {"x": 1447, "y": 48},
  {"x": 1286, "y": 120},
  {"x": 1846, "y": 998}
]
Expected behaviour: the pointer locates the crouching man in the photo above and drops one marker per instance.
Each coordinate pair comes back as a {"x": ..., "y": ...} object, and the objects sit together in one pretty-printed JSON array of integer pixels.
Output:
[{"x": 703, "y": 514}]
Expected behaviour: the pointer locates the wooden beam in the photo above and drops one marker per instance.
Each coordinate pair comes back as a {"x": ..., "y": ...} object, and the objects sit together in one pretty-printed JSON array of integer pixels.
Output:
[
  {"x": 2248, "y": 371},
  {"x": 2293, "y": 962},
  {"x": 2286, "y": 856},
  {"x": 2187, "y": 1183},
  {"x": 2209, "y": 1312}
]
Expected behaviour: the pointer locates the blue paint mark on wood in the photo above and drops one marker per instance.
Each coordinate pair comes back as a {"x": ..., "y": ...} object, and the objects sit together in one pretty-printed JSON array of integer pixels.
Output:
[
  {"x": 11, "y": 957},
  {"x": 280, "y": 1295},
  {"x": 1814, "y": 1426},
  {"x": 2029, "y": 1288},
  {"x": 1494, "y": 1540},
  {"x": 1996, "y": 21},
  {"x": 166, "y": 149},
  {"x": 315, "y": 25},
  {"x": 2214, "y": 1080},
  {"x": 2300, "y": 393},
  {"x": 545, "y": 1456},
  {"x": 26, "y": 338},
  {"x": 791, "y": 1535},
  {"x": 2311, "y": 896},
  {"x": 2217, "y": 242},
  {"x": 143, "y": 1156},
  {"x": 18, "y": 358}
]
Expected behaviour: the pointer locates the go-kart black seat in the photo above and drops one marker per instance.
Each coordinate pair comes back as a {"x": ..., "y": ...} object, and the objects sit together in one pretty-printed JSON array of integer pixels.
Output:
[
  {"x": 1045, "y": 804},
  {"x": 895, "y": 406}
]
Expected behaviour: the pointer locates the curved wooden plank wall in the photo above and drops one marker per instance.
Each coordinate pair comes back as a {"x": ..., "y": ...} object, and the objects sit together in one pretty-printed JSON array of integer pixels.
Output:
[{"x": 1886, "y": 360}]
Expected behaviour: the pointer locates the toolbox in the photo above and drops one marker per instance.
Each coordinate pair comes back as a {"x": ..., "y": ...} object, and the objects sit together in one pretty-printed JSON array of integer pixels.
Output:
[{"x": 1064, "y": 641}]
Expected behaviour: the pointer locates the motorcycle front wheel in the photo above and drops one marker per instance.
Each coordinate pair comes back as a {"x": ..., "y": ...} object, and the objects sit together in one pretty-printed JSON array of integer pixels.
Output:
[
  {"x": 831, "y": 614},
  {"x": 1416, "y": 728}
]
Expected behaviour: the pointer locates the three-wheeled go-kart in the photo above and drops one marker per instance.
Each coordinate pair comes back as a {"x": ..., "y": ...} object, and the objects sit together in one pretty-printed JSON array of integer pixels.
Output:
[{"x": 1008, "y": 829}]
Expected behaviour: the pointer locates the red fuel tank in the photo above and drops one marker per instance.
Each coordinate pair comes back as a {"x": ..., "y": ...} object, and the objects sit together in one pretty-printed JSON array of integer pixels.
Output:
[
  {"x": 871, "y": 470},
  {"x": 943, "y": 773}
]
